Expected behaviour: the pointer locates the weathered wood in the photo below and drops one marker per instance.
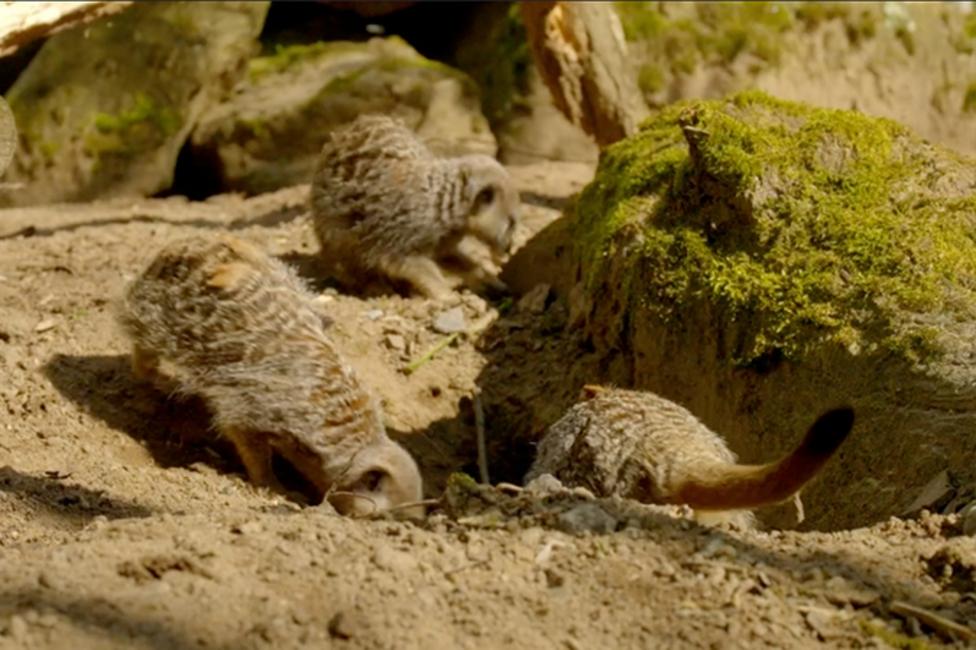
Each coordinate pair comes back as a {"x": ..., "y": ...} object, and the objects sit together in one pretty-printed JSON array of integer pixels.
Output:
[
  {"x": 8, "y": 136},
  {"x": 581, "y": 54},
  {"x": 23, "y": 22}
]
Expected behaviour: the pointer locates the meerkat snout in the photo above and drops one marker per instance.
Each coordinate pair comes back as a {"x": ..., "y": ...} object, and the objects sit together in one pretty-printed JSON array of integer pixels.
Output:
[
  {"x": 495, "y": 206},
  {"x": 381, "y": 477}
]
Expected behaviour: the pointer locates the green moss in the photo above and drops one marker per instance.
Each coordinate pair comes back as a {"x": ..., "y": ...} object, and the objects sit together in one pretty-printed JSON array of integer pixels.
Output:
[
  {"x": 257, "y": 128},
  {"x": 894, "y": 639},
  {"x": 650, "y": 78},
  {"x": 285, "y": 56},
  {"x": 808, "y": 225},
  {"x": 675, "y": 38},
  {"x": 717, "y": 32},
  {"x": 129, "y": 131},
  {"x": 49, "y": 149},
  {"x": 969, "y": 98},
  {"x": 462, "y": 482}
]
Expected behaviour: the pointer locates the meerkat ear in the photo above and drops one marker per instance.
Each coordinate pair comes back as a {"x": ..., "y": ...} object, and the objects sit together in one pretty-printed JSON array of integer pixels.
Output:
[
  {"x": 589, "y": 391},
  {"x": 227, "y": 276}
]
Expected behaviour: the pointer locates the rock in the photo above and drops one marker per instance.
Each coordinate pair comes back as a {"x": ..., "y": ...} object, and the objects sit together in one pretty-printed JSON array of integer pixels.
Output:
[
  {"x": 937, "y": 491},
  {"x": 342, "y": 625},
  {"x": 534, "y": 302},
  {"x": 968, "y": 517},
  {"x": 395, "y": 342},
  {"x": 45, "y": 325},
  {"x": 545, "y": 485},
  {"x": 389, "y": 559},
  {"x": 269, "y": 134},
  {"x": 103, "y": 111},
  {"x": 587, "y": 517},
  {"x": 450, "y": 321},
  {"x": 761, "y": 261}
]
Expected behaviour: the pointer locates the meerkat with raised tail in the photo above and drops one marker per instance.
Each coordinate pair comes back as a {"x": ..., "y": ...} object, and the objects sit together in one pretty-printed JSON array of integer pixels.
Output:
[
  {"x": 238, "y": 328},
  {"x": 641, "y": 446},
  {"x": 382, "y": 203}
]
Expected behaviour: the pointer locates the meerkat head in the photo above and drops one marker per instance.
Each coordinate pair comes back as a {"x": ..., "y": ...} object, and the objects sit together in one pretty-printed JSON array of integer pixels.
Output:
[
  {"x": 493, "y": 200},
  {"x": 380, "y": 477}
]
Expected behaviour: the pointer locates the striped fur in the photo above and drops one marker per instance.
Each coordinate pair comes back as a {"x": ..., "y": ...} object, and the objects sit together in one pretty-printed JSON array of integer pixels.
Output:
[
  {"x": 382, "y": 203},
  {"x": 240, "y": 329},
  {"x": 641, "y": 446}
]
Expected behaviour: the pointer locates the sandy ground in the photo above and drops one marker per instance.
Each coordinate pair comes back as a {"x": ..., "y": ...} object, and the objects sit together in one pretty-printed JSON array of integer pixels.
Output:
[{"x": 126, "y": 524}]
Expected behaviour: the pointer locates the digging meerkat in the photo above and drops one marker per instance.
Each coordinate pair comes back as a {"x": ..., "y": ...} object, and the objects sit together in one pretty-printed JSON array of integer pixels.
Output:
[
  {"x": 239, "y": 328},
  {"x": 383, "y": 204},
  {"x": 641, "y": 446}
]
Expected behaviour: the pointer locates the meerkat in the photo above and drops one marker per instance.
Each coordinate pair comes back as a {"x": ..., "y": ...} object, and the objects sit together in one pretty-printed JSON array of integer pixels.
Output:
[
  {"x": 238, "y": 328},
  {"x": 641, "y": 446},
  {"x": 383, "y": 203}
]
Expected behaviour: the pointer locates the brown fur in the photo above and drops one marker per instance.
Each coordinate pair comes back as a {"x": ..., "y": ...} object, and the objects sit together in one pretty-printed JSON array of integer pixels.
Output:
[
  {"x": 383, "y": 204},
  {"x": 642, "y": 446},
  {"x": 240, "y": 329}
]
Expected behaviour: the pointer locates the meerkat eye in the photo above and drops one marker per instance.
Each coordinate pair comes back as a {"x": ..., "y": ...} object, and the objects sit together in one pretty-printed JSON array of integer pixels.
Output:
[
  {"x": 371, "y": 480},
  {"x": 486, "y": 195}
]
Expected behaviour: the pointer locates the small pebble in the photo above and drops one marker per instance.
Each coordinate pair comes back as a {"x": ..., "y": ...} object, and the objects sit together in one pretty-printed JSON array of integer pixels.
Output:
[
  {"x": 45, "y": 325},
  {"x": 395, "y": 342},
  {"x": 968, "y": 517},
  {"x": 450, "y": 321}
]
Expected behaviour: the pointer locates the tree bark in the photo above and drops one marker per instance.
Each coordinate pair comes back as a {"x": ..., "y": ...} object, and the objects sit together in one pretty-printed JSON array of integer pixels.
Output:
[
  {"x": 23, "y": 22},
  {"x": 581, "y": 54}
]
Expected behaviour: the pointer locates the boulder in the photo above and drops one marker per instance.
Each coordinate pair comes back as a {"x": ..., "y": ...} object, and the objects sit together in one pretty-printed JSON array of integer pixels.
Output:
[
  {"x": 270, "y": 133},
  {"x": 103, "y": 111},
  {"x": 759, "y": 261}
]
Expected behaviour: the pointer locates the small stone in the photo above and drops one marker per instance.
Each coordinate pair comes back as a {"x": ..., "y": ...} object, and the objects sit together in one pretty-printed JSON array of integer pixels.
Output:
[
  {"x": 587, "y": 517},
  {"x": 841, "y": 592},
  {"x": 373, "y": 314},
  {"x": 968, "y": 517},
  {"x": 395, "y": 342},
  {"x": 339, "y": 627},
  {"x": 450, "y": 321},
  {"x": 45, "y": 325},
  {"x": 390, "y": 559},
  {"x": 534, "y": 302},
  {"x": 247, "y": 528},
  {"x": 17, "y": 627},
  {"x": 554, "y": 578},
  {"x": 545, "y": 485},
  {"x": 936, "y": 491}
]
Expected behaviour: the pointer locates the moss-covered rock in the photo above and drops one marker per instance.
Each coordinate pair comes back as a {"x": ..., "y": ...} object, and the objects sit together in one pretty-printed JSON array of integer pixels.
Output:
[
  {"x": 760, "y": 259},
  {"x": 104, "y": 110},
  {"x": 815, "y": 225},
  {"x": 269, "y": 134}
]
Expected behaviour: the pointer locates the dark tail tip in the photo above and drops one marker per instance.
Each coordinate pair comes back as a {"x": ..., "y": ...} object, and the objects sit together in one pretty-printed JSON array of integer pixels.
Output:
[{"x": 829, "y": 431}]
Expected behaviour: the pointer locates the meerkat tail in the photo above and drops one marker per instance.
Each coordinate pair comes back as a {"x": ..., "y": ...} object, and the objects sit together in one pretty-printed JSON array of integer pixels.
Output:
[{"x": 733, "y": 487}]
